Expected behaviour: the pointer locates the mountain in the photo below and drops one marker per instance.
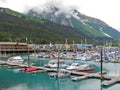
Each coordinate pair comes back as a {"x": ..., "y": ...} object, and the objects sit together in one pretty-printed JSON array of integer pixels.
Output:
[
  {"x": 15, "y": 26},
  {"x": 91, "y": 27}
]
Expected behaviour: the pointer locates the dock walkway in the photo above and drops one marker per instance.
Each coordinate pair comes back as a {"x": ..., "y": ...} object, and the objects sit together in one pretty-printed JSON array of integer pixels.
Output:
[
  {"x": 88, "y": 75},
  {"x": 112, "y": 81}
]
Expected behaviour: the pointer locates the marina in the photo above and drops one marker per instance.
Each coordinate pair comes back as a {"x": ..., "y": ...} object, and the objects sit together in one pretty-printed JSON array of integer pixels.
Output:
[
  {"x": 110, "y": 80},
  {"x": 59, "y": 45},
  {"x": 76, "y": 67},
  {"x": 44, "y": 81},
  {"x": 78, "y": 76}
]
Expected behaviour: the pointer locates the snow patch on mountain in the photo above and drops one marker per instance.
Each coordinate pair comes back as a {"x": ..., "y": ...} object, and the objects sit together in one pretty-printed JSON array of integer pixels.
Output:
[{"x": 105, "y": 33}]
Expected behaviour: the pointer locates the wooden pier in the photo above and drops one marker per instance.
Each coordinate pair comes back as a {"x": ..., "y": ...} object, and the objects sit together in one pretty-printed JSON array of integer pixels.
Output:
[{"x": 109, "y": 80}]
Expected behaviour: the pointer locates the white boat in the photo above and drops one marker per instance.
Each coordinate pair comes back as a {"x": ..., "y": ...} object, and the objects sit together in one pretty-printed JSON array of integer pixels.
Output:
[
  {"x": 60, "y": 74},
  {"x": 77, "y": 58},
  {"x": 54, "y": 64},
  {"x": 82, "y": 57},
  {"x": 39, "y": 55},
  {"x": 80, "y": 67},
  {"x": 15, "y": 59},
  {"x": 97, "y": 59}
]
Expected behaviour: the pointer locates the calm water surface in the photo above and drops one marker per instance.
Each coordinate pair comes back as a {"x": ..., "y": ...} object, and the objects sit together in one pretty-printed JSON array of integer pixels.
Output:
[{"x": 13, "y": 79}]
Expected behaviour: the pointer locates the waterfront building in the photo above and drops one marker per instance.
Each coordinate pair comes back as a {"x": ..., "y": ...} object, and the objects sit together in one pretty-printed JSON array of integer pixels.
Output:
[{"x": 13, "y": 47}]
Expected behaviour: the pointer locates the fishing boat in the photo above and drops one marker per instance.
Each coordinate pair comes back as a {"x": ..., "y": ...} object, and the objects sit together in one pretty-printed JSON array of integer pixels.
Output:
[
  {"x": 55, "y": 64},
  {"x": 15, "y": 59},
  {"x": 80, "y": 67}
]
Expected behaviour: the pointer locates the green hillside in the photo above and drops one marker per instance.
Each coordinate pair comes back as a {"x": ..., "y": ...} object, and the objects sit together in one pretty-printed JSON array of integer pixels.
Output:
[
  {"x": 15, "y": 26},
  {"x": 86, "y": 29}
]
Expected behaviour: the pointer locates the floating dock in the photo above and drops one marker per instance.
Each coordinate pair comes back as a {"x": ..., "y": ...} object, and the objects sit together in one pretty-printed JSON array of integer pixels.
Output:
[
  {"x": 88, "y": 75},
  {"x": 112, "y": 81}
]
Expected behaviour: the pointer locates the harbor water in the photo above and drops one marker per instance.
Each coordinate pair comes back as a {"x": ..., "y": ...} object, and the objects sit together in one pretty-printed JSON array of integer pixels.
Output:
[{"x": 13, "y": 79}]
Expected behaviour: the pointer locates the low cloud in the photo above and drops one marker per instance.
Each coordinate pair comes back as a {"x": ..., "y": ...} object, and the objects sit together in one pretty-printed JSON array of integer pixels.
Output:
[
  {"x": 52, "y": 4},
  {"x": 3, "y": 1}
]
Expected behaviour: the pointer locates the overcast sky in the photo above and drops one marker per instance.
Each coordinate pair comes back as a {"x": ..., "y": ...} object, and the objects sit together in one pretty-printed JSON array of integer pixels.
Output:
[{"x": 106, "y": 10}]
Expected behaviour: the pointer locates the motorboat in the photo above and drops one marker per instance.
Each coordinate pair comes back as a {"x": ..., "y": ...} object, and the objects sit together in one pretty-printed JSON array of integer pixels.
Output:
[
  {"x": 81, "y": 57},
  {"x": 80, "y": 67},
  {"x": 60, "y": 74},
  {"x": 56, "y": 64},
  {"x": 30, "y": 69},
  {"x": 16, "y": 59}
]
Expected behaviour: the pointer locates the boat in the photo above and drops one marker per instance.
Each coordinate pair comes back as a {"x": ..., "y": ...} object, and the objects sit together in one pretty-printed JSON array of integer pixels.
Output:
[
  {"x": 53, "y": 56},
  {"x": 16, "y": 59},
  {"x": 30, "y": 69},
  {"x": 82, "y": 57},
  {"x": 77, "y": 58},
  {"x": 60, "y": 74},
  {"x": 54, "y": 64},
  {"x": 80, "y": 67},
  {"x": 97, "y": 59}
]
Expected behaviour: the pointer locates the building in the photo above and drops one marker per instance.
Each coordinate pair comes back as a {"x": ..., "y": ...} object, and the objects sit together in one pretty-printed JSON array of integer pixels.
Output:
[{"x": 13, "y": 47}]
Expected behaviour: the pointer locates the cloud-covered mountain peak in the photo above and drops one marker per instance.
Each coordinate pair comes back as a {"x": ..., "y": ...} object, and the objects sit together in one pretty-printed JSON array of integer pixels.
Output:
[
  {"x": 55, "y": 9},
  {"x": 70, "y": 16}
]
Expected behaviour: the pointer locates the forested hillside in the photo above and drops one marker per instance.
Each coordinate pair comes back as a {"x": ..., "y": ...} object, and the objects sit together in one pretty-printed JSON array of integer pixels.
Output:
[{"x": 15, "y": 26}]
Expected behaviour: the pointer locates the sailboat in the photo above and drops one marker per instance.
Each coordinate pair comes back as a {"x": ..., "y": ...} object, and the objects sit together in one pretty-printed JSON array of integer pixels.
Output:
[
  {"x": 54, "y": 64},
  {"x": 66, "y": 46},
  {"x": 29, "y": 68},
  {"x": 60, "y": 72}
]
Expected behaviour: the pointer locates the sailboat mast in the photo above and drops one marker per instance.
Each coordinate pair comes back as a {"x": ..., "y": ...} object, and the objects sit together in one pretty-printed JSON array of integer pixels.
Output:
[
  {"x": 101, "y": 63},
  {"x": 58, "y": 62},
  {"x": 85, "y": 44},
  {"x": 28, "y": 52},
  {"x": 66, "y": 42}
]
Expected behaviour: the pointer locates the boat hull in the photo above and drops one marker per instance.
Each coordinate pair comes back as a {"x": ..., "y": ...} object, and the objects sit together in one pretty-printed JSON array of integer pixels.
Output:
[
  {"x": 86, "y": 70},
  {"x": 30, "y": 69}
]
